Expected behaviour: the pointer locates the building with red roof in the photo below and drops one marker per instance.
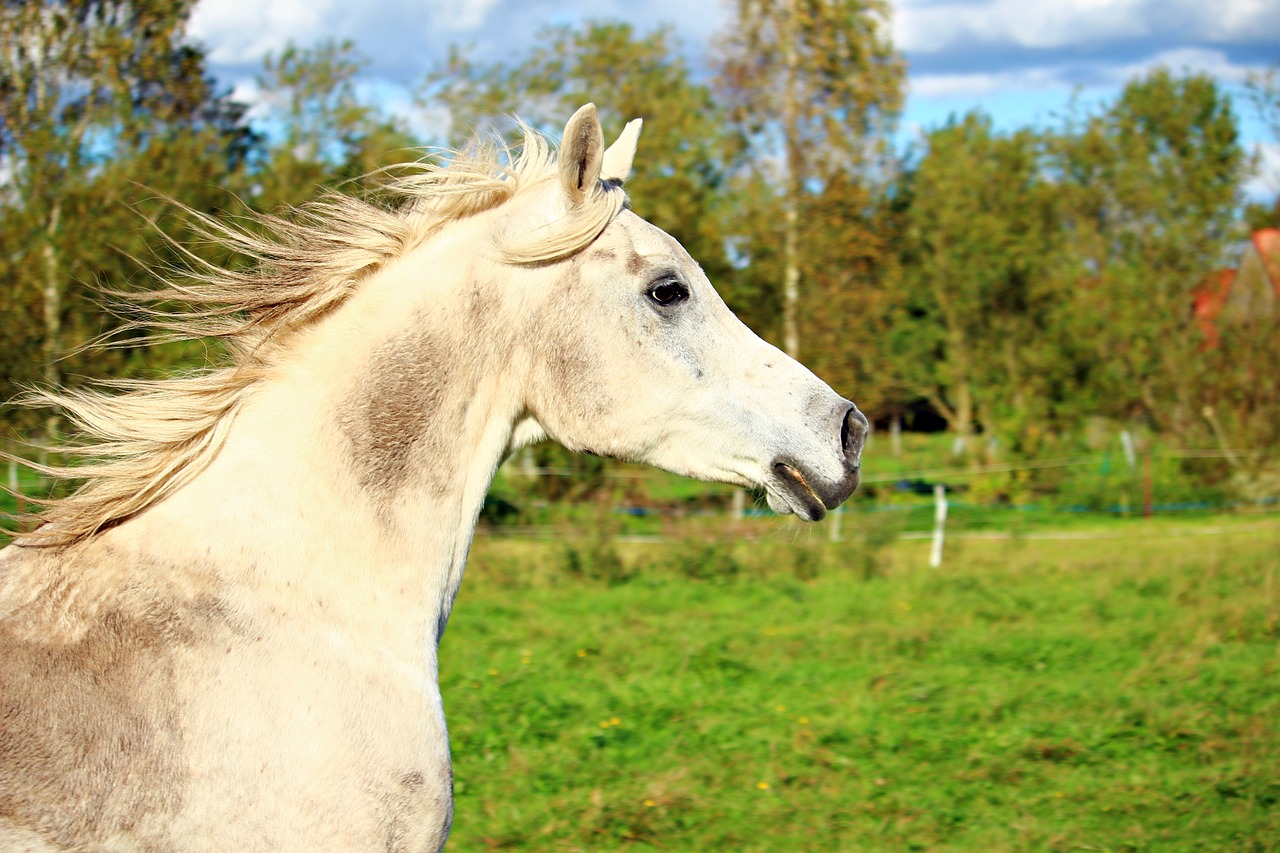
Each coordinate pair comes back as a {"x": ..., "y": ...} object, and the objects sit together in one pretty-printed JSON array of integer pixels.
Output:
[{"x": 1252, "y": 289}]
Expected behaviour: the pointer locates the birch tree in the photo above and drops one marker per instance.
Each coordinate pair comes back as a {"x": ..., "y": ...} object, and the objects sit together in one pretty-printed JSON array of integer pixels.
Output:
[
  {"x": 814, "y": 88},
  {"x": 86, "y": 88}
]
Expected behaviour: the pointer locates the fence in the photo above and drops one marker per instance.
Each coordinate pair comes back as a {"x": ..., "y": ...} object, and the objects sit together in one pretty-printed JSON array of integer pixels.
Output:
[{"x": 927, "y": 502}]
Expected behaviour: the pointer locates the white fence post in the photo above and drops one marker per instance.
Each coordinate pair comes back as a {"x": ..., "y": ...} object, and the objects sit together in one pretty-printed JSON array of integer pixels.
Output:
[
  {"x": 939, "y": 524},
  {"x": 1130, "y": 455}
]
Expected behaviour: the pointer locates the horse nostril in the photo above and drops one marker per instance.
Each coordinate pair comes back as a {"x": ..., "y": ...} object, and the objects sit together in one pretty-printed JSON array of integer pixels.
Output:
[{"x": 853, "y": 432}]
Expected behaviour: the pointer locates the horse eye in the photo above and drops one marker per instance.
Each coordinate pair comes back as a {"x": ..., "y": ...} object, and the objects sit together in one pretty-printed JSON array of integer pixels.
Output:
[{"x": 668, "y": 292}]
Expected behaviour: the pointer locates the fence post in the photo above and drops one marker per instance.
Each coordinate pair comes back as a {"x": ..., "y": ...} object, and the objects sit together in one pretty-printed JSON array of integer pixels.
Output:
[
  {"x": 939, "y": 524},
  {"x": 1130, "y": 455},
  {"x": 1147, "y": 506}
]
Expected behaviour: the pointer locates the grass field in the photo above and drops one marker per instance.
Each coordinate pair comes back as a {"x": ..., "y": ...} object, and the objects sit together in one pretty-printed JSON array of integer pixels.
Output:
[{"x": 786, "y": 693}]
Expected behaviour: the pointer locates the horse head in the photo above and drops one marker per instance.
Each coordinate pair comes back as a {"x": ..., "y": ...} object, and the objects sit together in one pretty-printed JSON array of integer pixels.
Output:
[{"x": 633, "y": 355}]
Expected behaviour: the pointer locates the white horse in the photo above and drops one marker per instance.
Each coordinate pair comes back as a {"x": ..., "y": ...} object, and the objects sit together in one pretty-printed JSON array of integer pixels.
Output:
[{"x": 226, "y": 640}]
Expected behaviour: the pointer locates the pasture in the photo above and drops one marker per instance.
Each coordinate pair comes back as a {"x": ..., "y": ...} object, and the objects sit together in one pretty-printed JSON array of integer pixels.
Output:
[{"x": 786, "y": 693}]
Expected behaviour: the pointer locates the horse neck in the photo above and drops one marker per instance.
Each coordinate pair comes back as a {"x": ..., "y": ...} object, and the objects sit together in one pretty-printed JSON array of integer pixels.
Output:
[{"x": 353, "y": 477}]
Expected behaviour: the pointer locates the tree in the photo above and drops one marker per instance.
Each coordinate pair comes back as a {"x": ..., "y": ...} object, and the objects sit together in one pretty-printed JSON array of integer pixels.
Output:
[
  {"x": 1150, "y": 188},
  {"x": 93, "y": 94},
  {"x": 1263, "y": 89},
  {"x": 322, "y": 132},
  {"x": 678, "y": 179},
  {"x": 814, "y": 88},
  {"x": 975, "y": 335}
]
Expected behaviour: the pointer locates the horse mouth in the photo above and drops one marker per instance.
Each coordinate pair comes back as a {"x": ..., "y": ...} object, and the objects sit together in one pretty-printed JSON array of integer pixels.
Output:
[{"x": 789, "y": 490}]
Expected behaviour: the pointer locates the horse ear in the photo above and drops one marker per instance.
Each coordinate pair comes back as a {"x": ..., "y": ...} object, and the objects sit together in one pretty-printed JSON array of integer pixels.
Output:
[
  {"x": 581, "y": 153},
  {"x": 619, "y": 156}
]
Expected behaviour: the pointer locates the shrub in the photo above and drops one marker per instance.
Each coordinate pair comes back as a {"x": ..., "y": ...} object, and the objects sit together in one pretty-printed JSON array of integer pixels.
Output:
[
  {"x": 703, "y": 560},
  {"x": 596, "y": 559}
]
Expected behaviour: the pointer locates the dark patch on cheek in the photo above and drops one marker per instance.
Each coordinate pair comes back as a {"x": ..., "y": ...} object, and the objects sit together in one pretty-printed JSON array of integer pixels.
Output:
[
  {"x": 577, "y": 382},
  {"x": 573, "y": 387}
]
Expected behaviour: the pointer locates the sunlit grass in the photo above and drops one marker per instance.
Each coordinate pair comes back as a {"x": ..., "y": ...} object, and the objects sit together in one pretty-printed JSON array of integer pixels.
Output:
[{"x": 1031, "y": 695}]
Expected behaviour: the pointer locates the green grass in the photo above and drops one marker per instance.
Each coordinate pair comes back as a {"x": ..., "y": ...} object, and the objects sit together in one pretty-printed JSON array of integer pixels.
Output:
[{"x": 792, "y": 694}]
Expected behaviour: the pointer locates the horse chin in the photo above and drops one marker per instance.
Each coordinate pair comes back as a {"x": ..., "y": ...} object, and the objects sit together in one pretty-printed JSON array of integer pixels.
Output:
[
  {"x": 777, "y": 502},
  {"x": 790, "y": 490}
]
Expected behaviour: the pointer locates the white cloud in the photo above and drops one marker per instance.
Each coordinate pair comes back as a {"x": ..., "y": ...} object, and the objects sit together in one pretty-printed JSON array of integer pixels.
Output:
[
  {"x": 1242, "y": 19},
  {"x": 931, "y": 26},
  {"x": 464, "y": 15},
  {"x": 1264, "y": 186},
  {"x": 978, "y": 84},
  {"x": 1060, "y": 77},
  {"x": 937, "y": 26},
  {"x": 239, "y": 33}
]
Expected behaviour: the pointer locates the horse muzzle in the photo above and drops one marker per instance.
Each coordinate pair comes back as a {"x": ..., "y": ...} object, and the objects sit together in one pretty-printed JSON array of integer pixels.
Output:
[{"x": 795, "y": 487}]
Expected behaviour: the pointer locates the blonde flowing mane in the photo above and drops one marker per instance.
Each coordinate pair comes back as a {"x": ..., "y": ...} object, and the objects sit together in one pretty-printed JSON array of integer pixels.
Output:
[{"x": 141, "y": 440}]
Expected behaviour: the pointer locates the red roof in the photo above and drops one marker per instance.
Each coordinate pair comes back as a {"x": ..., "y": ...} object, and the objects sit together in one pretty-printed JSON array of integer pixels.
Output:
[
  {"x": 1243, "y": 289},
  {"x": 1267, "y": 242}
]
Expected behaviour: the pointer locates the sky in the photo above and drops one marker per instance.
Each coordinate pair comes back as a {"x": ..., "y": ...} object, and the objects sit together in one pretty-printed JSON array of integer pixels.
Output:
[{"x": 1021, "y": 61}]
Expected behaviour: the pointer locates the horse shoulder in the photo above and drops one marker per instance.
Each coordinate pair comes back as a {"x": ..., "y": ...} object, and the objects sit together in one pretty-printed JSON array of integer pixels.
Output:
[
  {"x": 107, "y": 659},
  {"x": 90, "y": 741}
]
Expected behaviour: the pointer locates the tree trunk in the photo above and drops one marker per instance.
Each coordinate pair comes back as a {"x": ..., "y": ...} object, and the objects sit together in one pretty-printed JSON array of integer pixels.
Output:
[
  {"x": 54, "y": 289},
  {"x": 964, "y": 413},
  {"x": 958, "y": 368},
  {"x": 791, "y": 200}
]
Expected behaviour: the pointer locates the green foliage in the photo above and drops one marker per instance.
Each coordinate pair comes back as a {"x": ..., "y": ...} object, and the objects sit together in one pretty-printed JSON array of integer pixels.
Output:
[
  {"x": 1150, "y": 189},
  {"x": 974, "y": 333},
  {"x": 1049, "y": 278},
  {"x": 327, "y": 134},
  {"x": 1019, "y": 284},
  {"x": 678, "y": 181},
  {"x": 95, "y": 98}
]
